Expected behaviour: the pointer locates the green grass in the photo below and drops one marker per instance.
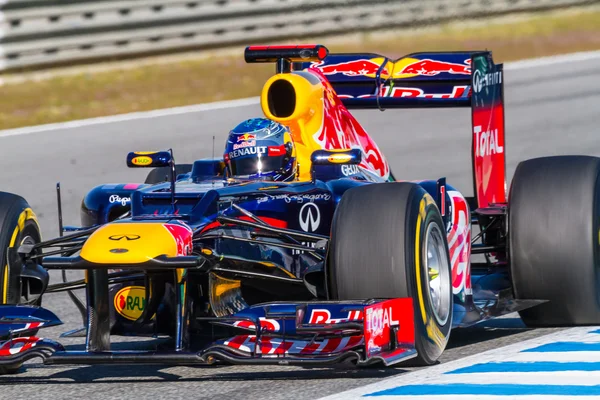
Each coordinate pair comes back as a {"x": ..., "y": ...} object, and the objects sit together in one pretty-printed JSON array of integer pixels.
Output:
[{"x": 201, "y": 80}]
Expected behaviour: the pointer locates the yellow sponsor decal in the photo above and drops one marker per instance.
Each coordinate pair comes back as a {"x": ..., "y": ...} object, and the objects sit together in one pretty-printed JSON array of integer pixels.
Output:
[
  {"x": 130, "y": 302},
  {"x": 339, "y": 158},
  {"x": 141, "y": 160},
  {"x": 144, "y": 153}
]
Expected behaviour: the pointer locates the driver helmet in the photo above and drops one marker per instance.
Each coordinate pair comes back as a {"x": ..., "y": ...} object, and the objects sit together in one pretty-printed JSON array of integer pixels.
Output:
[{"x": 260, "y": 149}]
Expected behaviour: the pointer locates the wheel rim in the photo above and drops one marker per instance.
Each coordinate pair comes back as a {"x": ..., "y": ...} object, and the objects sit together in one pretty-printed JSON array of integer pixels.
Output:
[{"x": 438, "y": 274}]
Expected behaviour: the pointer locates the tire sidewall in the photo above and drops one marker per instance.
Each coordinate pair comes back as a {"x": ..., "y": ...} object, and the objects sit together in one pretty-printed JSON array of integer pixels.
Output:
[
  {"x": 19, "y": 222},
  {"x": 431, "y": 337}
]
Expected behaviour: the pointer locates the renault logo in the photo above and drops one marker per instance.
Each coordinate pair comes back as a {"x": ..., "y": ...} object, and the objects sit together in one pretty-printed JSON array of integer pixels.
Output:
[
  {"x": 126, "y": 237},
  {"x": 310, "y": 217}
]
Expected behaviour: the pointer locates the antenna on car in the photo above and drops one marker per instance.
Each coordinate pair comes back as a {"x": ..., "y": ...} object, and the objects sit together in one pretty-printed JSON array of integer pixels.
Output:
[
  {"x": 173, "y": 177},
  {"x": 213, "y": 147},
  {"x": 213, "y": 156},
  {"x": 60, "y": 216}
]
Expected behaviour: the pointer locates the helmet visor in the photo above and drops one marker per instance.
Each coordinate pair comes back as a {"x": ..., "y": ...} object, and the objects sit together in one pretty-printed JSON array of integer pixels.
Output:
[{"x": 252, "y": 166}]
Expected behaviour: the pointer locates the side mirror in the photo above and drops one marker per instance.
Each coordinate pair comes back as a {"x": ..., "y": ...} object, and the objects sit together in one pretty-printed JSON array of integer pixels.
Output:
[
  {"x": 149, "y": 159},
  {"x": 336, "y": 157}
]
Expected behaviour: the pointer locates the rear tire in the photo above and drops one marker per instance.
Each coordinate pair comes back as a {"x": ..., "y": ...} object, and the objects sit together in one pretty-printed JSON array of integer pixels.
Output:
[
  {"x": 554, "y": 211},
  {"x": 378, "y": 250},
  {"x": 161, "y": 174},
  {"x": 18, "y": 224}
]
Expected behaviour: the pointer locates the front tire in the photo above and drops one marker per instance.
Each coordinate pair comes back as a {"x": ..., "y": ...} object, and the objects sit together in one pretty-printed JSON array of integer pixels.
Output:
[
  {"x": 388, "y": 241},
  {"x": 18, "y": 225}
]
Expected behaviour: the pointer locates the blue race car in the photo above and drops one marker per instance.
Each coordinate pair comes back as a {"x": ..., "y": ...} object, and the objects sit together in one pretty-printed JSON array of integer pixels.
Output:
[{"x": 299, "y": 246}]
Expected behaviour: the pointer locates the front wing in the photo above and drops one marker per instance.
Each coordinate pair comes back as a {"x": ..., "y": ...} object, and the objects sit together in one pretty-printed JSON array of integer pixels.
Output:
[{"x": 313, "y": 333}]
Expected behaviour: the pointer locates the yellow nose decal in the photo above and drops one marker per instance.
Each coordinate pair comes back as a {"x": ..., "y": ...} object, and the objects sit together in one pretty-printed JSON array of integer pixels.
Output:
[{"x": 134, "y": 243}]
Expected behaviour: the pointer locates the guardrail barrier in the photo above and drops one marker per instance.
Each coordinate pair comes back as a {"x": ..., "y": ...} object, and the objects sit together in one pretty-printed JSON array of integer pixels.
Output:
[{"x": 38, "y": 32}]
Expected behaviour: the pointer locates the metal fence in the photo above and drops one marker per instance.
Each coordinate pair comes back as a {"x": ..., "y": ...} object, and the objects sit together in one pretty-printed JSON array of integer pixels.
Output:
[{"x": 37, "y": 32}]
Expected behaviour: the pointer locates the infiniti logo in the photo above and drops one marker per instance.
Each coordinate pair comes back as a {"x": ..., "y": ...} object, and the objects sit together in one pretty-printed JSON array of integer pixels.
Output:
[
  {"x": 482, "y": 80},
  {"x": 310, "y": 217},
  {"x": 126, "y": 237}
]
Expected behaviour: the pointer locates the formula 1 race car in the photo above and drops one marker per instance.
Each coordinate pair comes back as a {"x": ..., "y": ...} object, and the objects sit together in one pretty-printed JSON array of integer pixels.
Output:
[{"x": 344, "y": 264}]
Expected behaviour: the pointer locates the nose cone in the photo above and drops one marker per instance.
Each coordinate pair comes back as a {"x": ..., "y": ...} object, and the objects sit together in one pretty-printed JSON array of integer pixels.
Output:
[{"x": 137, "y": 242}]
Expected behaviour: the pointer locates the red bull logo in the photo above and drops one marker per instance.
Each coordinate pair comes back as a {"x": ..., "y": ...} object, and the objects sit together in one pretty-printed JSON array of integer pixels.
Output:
[
  {"x": 429, "y": 67},
  {"x": 398, "y": 91},
  {"x": 182, "y": 236},
  {"x": 353, "y": 68},
  {"x": 246, "y": 137}
]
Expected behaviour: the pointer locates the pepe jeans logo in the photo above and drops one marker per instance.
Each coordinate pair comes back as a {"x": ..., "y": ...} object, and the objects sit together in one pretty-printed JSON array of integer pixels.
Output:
[
  {"x": 126, "y": 237},
  {"x": 310, "y": 217},
  {"x": 118, "y": 199}
]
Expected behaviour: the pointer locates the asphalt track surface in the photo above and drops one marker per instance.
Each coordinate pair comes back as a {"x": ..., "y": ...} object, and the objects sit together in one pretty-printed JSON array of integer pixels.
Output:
[{"x": 550, "y": 109}]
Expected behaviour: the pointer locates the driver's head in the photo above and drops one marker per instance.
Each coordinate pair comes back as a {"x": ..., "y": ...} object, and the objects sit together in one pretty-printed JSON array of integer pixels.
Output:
[{"x": 260, "y": 149}]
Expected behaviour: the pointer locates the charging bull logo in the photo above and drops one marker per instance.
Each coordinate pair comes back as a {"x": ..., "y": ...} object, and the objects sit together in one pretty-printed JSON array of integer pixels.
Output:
[
  {"x": 183, "y": 237},
  {"x": 130, "y": 302},
  {"x": 429, "y": 67},
  {"x": 403, "y": 68},
  {"x": 362, "y": 67},
  {"x": 245, "y": 137},
  {"x": 340, "y": 130}
]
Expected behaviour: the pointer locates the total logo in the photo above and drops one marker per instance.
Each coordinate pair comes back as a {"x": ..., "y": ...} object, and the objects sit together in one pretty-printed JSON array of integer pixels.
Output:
[
  {"x": 487, "y": 143},
  {"x": 481, "y": 80},
  {"x": 379, "y": 319},
  {"x": 349, "y": 170},
  {"x": 310, "y": 217}
]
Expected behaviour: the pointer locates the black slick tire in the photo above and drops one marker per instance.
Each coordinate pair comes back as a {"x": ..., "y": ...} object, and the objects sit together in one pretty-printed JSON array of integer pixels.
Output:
[
  {"x": 378, "y": 251},
  {"x": 554, "y": 221},
  {"x": 17, "y": 223}
]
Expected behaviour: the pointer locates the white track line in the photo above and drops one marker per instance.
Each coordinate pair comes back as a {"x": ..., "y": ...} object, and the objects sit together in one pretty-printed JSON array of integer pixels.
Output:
[
  {"x": 131, "y": 116},
  {"x": 552, "y": 60},
  {"x": 524, "y": 64},
  {"x": 436, "y": 374}
]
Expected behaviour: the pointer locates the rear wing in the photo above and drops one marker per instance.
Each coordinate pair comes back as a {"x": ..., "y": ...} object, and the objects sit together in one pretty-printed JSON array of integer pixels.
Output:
[
  {"x": 431, "y": 80},
  {"x": 418, "y": 80}
]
